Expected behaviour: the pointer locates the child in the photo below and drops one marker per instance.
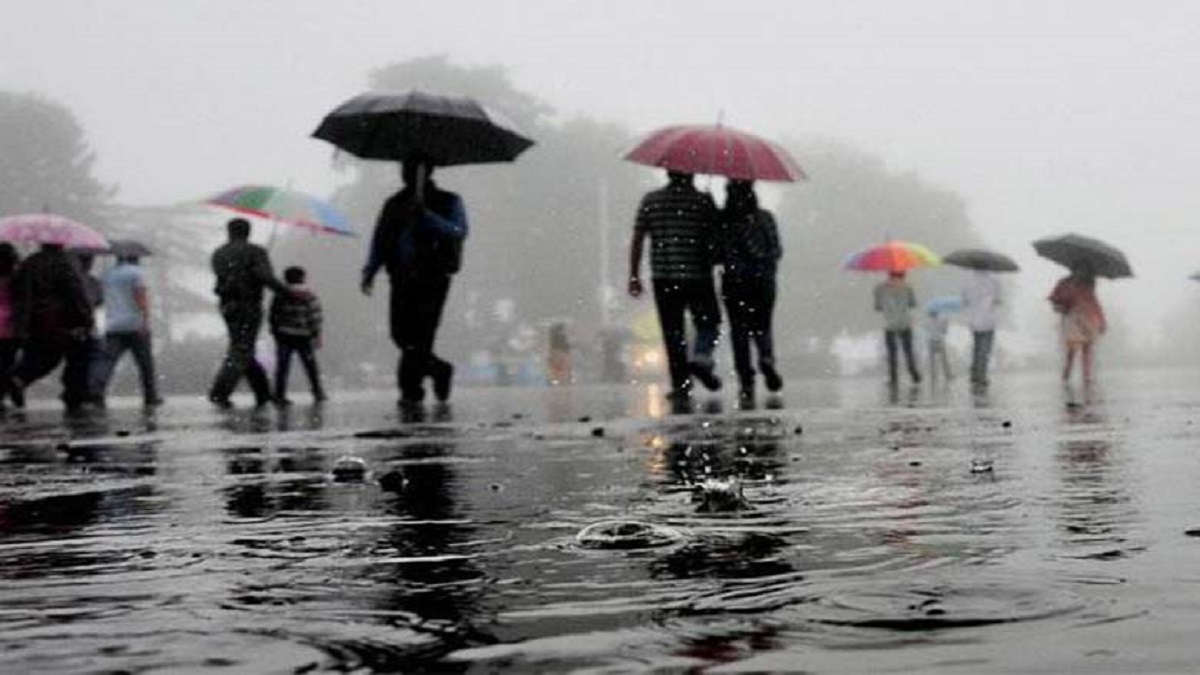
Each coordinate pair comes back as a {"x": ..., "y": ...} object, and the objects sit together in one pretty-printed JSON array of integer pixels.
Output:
[
  {"x": 939, "y": 323},
  {"x": 296, "y": 325}
]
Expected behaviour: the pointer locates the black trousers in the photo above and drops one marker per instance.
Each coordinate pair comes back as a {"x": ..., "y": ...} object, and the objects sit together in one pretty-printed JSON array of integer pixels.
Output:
[
  {"x": 8, "y": 359},
  {"x": 750, "y": 304},
  {"x": 904, "y": 338},
  {"x": 674, "y": 299},
  {"x": 242, "y": 321},
  {"x": 285, "y": 346},
  {"x": 416, "y": 312},
  {"x": 39, "y": 357},
  {"x": 115, "y": 346}
]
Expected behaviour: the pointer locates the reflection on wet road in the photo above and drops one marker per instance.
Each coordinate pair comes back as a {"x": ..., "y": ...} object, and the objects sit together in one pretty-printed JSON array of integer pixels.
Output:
[{"x": 844, "y": 528}]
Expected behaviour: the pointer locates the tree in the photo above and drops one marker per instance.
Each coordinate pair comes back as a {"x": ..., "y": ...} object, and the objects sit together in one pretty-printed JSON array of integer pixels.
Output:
[
  {"x": 46, "y": 163},
  {"x": 536, "y": 233},
  {"x": 851, "y": 202}
]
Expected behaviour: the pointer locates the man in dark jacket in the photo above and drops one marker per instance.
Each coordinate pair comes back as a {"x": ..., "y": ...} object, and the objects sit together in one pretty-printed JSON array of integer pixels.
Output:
[
  {"x": 243, "y": 270},
  {"x": 54, "y": 321},
  {"x": 418, "y": 240}
]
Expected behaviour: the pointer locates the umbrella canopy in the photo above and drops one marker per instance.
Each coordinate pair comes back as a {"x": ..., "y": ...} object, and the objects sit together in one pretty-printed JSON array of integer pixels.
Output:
[
  {"x": 980, "y": 259},
  {"x": 718, "y": 150},
  {"x": 944, "y": 304},
  {"x": 1073, "y": 250},
  {"x": 283, "y": 205},
  {"x": 45, "y": 228},
  {"x": 892, "y": 256},
  {"x": 441, "y": 129},
  {"x": 128, "y": 248}
]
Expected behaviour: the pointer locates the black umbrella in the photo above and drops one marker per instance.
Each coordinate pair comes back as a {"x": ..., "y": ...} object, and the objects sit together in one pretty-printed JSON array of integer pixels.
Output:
[
  {"x": 127, "y": 248},
  {"x": 980, "y": 259},
  {"x": 1073, "y": 250},
  {"x": 441, "y": 129}
]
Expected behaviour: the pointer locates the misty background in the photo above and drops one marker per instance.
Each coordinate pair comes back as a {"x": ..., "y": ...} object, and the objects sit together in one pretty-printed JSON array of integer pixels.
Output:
[{"x": 950, "y": 124}]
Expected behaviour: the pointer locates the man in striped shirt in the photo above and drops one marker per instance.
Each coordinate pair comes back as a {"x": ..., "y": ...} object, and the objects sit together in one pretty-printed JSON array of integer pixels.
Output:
[{"x": 681, "y": 222}]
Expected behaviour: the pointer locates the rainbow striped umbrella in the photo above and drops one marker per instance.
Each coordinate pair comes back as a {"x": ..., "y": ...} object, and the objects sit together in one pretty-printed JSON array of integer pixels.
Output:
[
  {"x": 892, "y": 256},
  {"x": 286, "y": 206}
]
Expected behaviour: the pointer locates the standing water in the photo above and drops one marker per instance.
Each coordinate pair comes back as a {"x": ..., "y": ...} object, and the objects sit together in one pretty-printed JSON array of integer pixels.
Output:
[{"x": 847, "y": 529}]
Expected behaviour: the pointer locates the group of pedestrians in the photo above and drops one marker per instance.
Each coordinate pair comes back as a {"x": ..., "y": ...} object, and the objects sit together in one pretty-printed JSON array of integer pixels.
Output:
[
  {"x": 47, "y": 317},
  {"x": 690, "y": 238}
]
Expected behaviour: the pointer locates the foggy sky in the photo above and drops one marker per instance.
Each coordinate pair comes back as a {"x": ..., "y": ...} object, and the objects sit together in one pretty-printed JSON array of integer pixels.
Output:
[{"x": 1044, "y": 117}]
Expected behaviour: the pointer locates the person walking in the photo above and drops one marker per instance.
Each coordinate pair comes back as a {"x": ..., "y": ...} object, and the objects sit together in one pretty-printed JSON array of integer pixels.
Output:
[
  {"x": 895, "y": 299},
  {"x": 936, "y": 328},
  {"x": 750, "y": 253},
  {"x": 418, "y": 240},
  {"x": 295, "y": 321},
  {"x": 1083, "y": 320},
  {"x": 8, "y": 325},
  {"x": 682, "y": 224},
  {"x": 126, "y": 328},
  {"x": 243, "y": 272},
  {"x": 54, "y": 322},
  {"x": 981, "y": 300}
]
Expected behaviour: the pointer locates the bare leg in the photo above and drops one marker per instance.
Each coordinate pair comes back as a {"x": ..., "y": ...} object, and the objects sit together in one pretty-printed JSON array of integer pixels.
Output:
[
  {"x": 1087, "y": 363},
  {"x": 1070, "y": 361}
]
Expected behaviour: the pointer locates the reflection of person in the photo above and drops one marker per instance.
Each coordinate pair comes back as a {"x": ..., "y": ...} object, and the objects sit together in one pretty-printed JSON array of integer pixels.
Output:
[
  {"x": 750, "y": 252},
  {"x": 54, "y": 322},
  {"x": 243, "y": 271},
  {"x": 8, "y": 320},
  {"x": 1083, "y": 319},
  {"x": 295, "y": 320},
  {"x": 560, "y": 355},
  {"x": 936, "y": 328},
  {"x": 418, "y": 239},
  {"x": 981, "y": 300},
  {"x": 894, "y": 298},
  {"x": 126, "y": 328},
  {"x": 681, "y": 222}
]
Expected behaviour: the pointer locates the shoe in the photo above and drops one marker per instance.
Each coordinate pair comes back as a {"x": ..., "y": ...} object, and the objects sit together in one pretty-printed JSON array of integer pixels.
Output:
[
  {"x": 282, "y": 401},
  {"x": 705, "y": 374},
  {"x": 153, "y": 402},
  {"x": 771, "y": 378},
  {"x": 221, "y": 402},
  {"x": 442, "y": 376},
  {"x": 320, "y": 396}
]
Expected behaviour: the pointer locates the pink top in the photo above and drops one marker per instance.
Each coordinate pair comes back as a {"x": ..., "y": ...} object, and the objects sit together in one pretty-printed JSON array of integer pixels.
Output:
[
  {"x": 7, "y": 316},
  {"x": 1073, "y": 295}
]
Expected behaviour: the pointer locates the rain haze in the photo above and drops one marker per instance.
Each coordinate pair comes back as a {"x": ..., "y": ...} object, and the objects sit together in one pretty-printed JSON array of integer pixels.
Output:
[{"x": 1042, "y": 117}]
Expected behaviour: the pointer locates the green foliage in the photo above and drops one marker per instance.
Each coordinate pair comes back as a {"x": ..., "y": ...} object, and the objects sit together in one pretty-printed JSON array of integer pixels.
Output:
[{"x": 46, "y": 163}]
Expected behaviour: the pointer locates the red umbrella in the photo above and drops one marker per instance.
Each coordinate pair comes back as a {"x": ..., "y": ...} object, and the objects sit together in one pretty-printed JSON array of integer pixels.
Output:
[{"x": 717, "y": 149}]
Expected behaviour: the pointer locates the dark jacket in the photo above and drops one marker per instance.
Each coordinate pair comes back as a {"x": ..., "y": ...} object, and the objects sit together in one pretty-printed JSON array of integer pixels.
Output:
[
  {"x": 408, "y": 243},
  {"x": 750, "y": 246},
  {"x": 51, "y": 299},
  {"x": 296, "y": 314},
  {"x": 243, "y": 270}
]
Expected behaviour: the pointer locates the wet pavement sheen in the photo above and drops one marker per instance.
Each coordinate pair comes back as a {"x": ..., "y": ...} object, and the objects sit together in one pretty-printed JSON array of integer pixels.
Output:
[{"x": 1028, "y": 528}]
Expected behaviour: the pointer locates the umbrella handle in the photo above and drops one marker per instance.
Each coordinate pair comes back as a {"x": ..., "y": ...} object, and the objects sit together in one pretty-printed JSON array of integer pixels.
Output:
[{"x": 419, "y": 188}]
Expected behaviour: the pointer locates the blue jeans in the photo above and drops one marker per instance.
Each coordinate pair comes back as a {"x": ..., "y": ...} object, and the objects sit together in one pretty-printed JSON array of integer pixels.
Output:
[
  {"x": 115, "y": 345},
  {"x": 980, "y": 355}
]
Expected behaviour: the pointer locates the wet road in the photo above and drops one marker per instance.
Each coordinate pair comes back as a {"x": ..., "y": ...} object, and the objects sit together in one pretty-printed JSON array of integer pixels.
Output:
[{"x": 1032, "y": 529}]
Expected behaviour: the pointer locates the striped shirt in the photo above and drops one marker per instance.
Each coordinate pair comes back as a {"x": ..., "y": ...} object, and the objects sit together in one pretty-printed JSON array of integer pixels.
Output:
[{"x": 681, "y": 223}]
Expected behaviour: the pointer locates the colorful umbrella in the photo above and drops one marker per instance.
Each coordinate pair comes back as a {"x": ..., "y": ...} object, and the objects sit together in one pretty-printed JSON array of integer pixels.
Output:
[
  {"x": 718, "y": 150},
  {"x": 892, "y": 256},
  {"x": 283, "y": 205},
  {"x": 45, "y": 228},
  {"x": 444, "y": 130}
]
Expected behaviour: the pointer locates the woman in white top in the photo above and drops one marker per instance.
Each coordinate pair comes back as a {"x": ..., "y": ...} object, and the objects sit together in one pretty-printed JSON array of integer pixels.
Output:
[{"x": 981, "y": 299}]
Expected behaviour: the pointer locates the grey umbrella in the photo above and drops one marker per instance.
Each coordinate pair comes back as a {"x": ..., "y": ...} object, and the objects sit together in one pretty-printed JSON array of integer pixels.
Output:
[
  {"x": 127, "y": 248},
  {"x": 980, "y": 259},
  {"x": 444, "y": 130},
  {"x": 1074, "y": 250}
]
